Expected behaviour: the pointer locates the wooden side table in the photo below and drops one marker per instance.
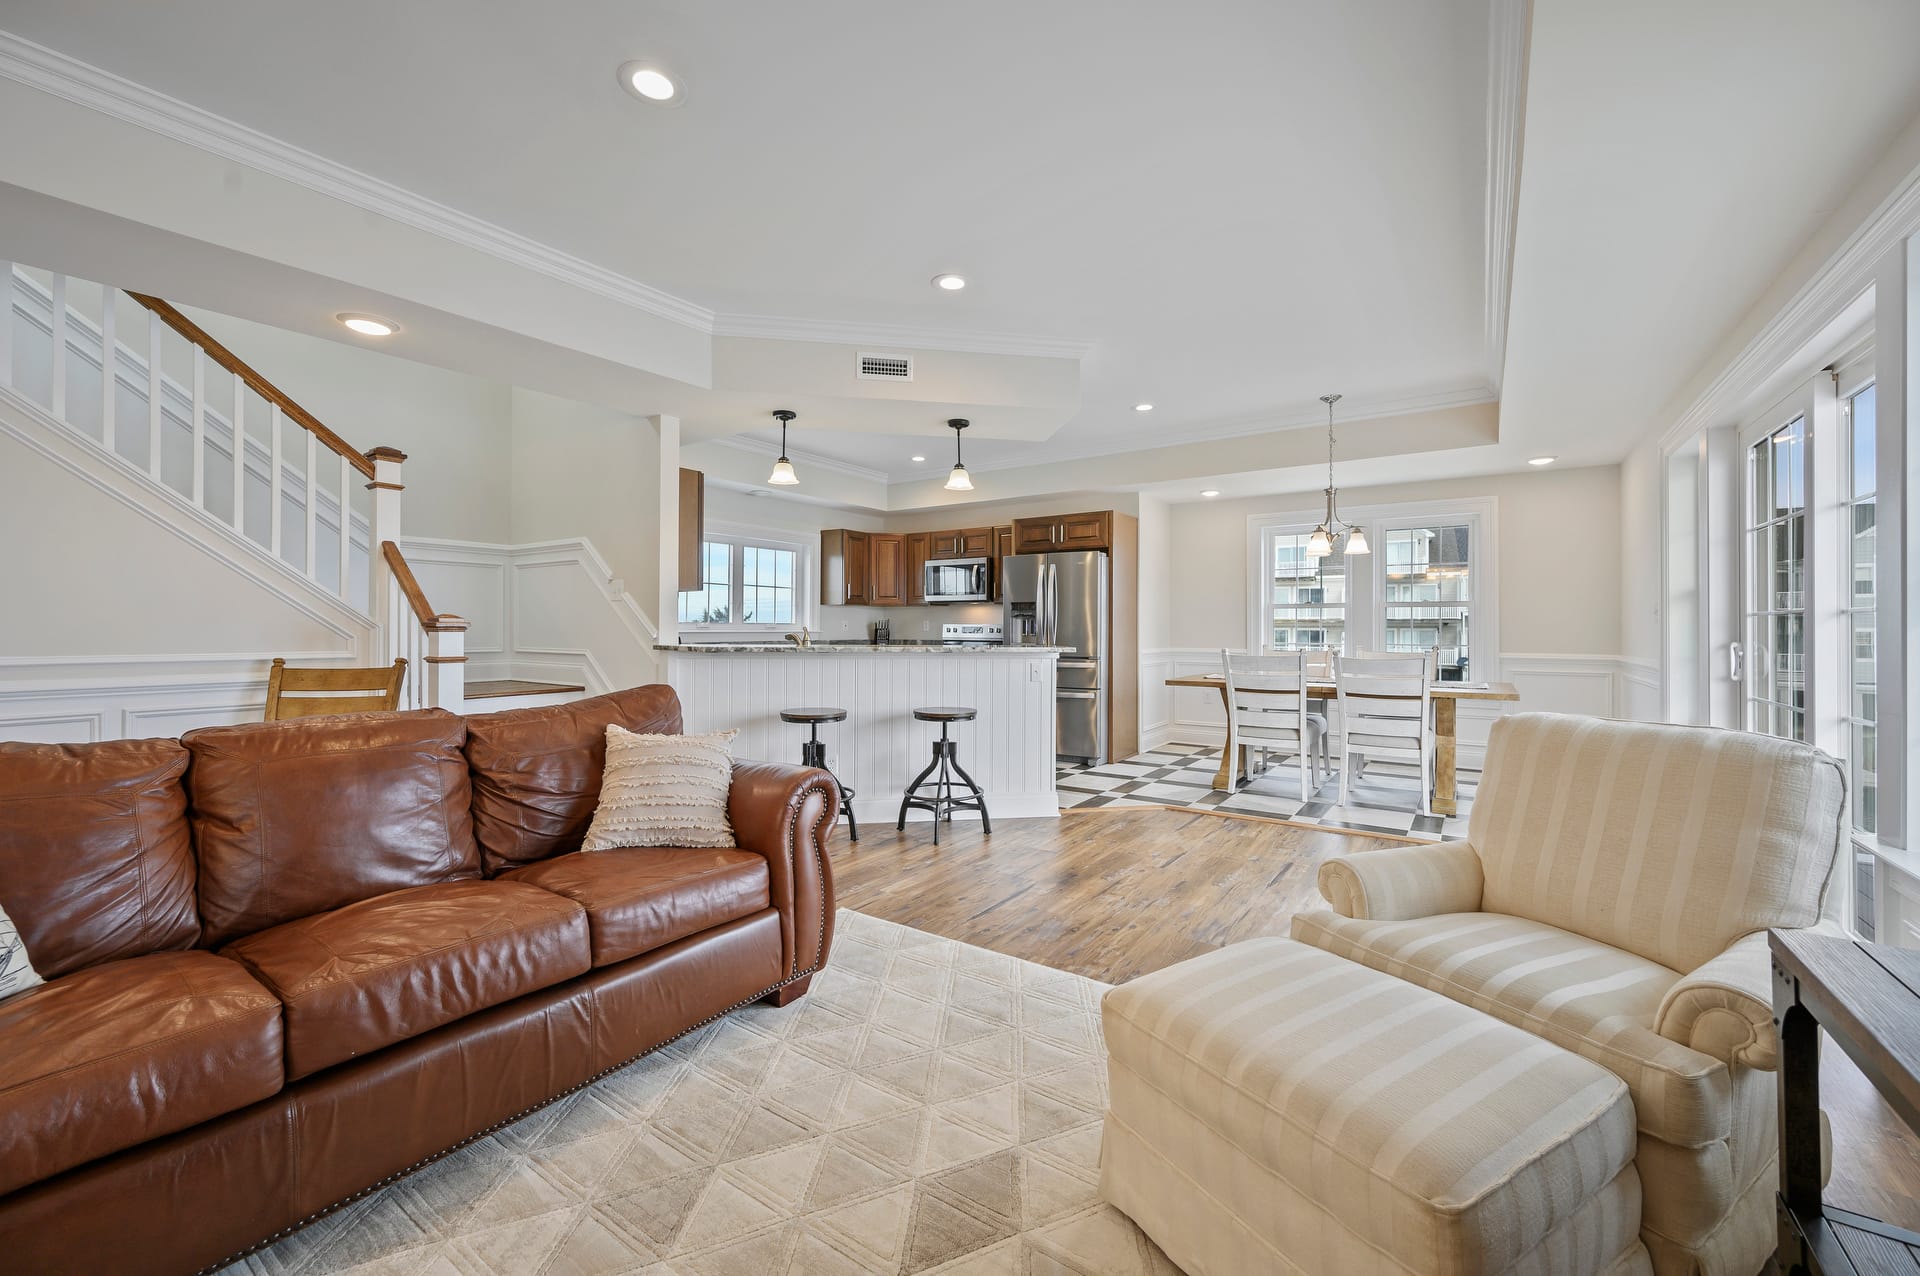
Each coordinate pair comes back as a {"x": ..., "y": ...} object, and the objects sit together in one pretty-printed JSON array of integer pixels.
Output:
[{"x": 1867, "y": 998}]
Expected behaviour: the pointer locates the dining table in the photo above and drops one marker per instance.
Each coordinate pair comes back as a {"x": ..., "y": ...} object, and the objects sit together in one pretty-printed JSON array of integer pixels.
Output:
[{"x": 1446, "y": 700}]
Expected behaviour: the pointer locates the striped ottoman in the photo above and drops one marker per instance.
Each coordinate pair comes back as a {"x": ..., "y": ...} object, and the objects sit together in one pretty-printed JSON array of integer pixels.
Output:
[{"x": 1278, "y": 1109}]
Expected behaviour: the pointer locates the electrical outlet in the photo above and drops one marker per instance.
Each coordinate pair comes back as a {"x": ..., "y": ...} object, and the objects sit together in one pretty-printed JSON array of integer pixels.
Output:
[{"x": 926, "y": 626}]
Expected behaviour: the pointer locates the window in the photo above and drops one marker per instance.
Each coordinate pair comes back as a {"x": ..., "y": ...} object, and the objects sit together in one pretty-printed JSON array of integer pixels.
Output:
[
  {"x": 1776, "y": 608},
  {"x": 1302, "y": 589},
  {"x": 1426, "y": 586},
  {"x": 1862, "y": 617},
  {"x": 746, "y": 582}
]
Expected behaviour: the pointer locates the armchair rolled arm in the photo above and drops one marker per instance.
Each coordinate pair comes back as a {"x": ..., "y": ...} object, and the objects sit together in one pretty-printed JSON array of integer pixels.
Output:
[
  {"x": 1724, "y": 1008},
  {"x": 1404, "y": 882},
  {"x": 786, "y": 813}
]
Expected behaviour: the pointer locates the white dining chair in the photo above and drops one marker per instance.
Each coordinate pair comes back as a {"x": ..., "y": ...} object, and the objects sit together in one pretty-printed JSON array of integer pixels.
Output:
[
  {"x": 1386, "y": 712},
  {"x": 1267, "y": 709},
  {"x": 1320, "y": 670}
]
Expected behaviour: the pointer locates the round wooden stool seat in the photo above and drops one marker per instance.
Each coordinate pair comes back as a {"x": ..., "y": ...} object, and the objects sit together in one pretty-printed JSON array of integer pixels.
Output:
[
  {"x": 946, "y": 713},
  {"x": 819, "y": 714}
]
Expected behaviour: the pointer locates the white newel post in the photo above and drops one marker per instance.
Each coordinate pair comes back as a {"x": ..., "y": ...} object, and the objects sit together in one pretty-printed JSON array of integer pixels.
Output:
[
  {"x": 667, "y": 602},
  {"x": 447, "y": 664},
  {"x": 383, "y": 525}
]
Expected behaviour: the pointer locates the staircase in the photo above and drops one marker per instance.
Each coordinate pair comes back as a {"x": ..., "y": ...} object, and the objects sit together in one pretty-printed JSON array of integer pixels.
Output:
[{"x": 168, "y": 413}]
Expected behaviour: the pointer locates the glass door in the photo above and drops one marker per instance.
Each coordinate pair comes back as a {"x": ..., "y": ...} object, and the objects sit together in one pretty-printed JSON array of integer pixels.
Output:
[{"x": 1774, "y": 603}]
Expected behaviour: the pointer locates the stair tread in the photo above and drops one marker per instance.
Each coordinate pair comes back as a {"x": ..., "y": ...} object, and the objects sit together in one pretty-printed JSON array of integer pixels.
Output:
[{"x": 487, "y": 689}]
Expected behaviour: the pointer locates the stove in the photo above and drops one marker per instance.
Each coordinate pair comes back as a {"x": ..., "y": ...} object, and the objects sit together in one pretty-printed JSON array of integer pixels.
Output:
[{"x": 974, "y": 635}]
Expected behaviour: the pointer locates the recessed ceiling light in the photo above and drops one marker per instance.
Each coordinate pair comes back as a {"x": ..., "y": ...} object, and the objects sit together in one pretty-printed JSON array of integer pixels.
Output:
[
  {"x": 949, "y": 282},
  {"x": 919, "y": 458},
  {"x": 1541, "y": 460},
  {"x": 1211, "y": 492},
  {"x": 1143, "y": 407},
  {"x": 646, "y": 81},
  {"x": 369, "y": 325}
]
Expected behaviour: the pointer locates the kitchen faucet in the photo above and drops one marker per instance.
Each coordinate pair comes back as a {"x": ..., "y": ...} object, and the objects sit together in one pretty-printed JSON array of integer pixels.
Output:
[{"x": 802, "y": 639}]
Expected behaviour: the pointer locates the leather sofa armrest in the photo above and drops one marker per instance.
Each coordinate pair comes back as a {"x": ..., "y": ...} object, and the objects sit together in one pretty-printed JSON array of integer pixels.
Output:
[
  {"x": 1404, "y": 882},
  {"x": 786, "y": 813},
  {"x": 1725, "y": 1007}
]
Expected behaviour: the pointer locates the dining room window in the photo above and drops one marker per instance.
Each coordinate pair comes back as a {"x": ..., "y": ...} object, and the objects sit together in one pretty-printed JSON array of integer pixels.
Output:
[
  {"x": 1306, "y": 596},
  {"x": 1428, "y": 593},
  {"x": 1775, "y": 658}
]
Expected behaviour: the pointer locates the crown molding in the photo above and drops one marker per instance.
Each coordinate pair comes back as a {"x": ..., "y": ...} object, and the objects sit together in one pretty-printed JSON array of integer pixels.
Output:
[
  {"x": 799, "y": 457},
  {"x": 59, "y": 75},
  {"x": 1354, "y": 409},
  {"x": 1508, "y": 28},
  {"x": 1822, "y": 299},
  {"x": 897, "y": 336}
]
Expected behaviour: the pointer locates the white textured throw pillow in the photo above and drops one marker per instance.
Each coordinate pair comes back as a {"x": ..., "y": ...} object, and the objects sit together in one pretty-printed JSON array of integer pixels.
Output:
[
  {"x": 16, "y": 972},
  {"x": 663, "y": 790}
]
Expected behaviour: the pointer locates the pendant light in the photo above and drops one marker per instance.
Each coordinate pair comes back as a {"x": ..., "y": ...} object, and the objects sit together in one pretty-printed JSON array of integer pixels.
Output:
[
  {"x": 959, "y": 480},
  {"x": 1321, "y": 543},
  {"x": 783, "y": 475}
]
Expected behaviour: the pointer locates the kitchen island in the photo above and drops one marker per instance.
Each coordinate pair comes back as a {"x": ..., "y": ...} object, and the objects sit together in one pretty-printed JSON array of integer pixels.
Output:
[{"x": 879, "y": 749}]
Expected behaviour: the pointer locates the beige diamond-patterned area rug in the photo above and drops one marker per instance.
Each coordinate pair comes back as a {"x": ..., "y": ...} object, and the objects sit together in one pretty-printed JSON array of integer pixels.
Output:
[{"x": 929, "y": 1107}]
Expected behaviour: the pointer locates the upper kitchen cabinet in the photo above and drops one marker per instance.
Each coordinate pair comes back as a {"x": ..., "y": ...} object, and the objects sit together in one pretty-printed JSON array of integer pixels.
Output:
[
  {"x": 916, "y": 547},
  {"x": 886, "y": 569},
  {"x": 968, "y": 542},
  {"x": 1063, "y": 531},
  {"x": 845, "y": 567}
]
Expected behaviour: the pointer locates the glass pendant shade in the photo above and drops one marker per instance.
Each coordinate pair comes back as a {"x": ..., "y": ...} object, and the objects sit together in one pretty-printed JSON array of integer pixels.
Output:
[
  {"x": 783, "y": 475},
  {"x": 959, "y": 480},
  {"x": 1357, "y": 543},
  {"x": 1320, "y": 544}
]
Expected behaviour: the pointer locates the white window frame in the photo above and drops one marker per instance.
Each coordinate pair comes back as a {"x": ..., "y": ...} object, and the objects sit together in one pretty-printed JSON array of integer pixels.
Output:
[
  {"x": 806, "y": 581},
  {"x": 1366, "y": 578},
  {"x": 1853, "y": 379},
  {"x": 1797, "y": 406}
]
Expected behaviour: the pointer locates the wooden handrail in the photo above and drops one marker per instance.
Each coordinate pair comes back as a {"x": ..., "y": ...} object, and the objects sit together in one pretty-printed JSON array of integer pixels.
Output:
[
  {"x": 429, "y": 620},
  {"x": 264, "y": 388}
]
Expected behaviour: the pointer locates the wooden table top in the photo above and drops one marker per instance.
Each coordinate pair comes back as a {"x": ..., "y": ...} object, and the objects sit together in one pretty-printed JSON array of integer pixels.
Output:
[
  {"x": 1327, "y": 691},
  {"x": 1867, "y": 997}
]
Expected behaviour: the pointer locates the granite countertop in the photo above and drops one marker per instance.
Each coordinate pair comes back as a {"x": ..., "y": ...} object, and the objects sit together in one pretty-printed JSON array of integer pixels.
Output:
[{"x": 859, "y": 647}]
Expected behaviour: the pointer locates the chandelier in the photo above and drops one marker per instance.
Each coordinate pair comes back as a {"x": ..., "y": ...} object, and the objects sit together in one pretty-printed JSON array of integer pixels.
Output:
[{"x": 1320, "y": 543}]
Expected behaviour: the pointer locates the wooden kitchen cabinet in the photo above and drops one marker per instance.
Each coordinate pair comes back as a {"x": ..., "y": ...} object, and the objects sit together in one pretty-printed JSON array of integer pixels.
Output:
[
  {"x": 693, "y": 525},
  {"x": 1002, "y": 551},
  {"x": 965, "y": 542},
  {"x": 915, "y": 550},
  {"x": 886, "y": 569},
  {"x": 1063, "y": 531},
  {"x": 845, "y": 567}
]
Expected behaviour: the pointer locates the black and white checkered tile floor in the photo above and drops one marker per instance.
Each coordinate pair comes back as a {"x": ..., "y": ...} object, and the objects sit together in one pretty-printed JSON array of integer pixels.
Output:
[{"x": 1385, "y": 800}]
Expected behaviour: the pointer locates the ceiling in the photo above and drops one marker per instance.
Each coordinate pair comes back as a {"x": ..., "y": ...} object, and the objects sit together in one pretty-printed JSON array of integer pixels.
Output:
[{"x": 1232, "y": 206}]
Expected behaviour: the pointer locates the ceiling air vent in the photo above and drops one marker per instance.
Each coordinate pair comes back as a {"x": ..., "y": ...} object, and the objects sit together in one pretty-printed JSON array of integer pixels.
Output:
[{"x": 886, "y": 367}]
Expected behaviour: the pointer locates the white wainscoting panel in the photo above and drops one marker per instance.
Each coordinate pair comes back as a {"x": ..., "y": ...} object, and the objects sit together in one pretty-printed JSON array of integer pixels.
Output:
[
  {"x": 136, "y": 699},
  {"x": 1008, "y": 749},
  {"x": 1642, "y": 691}
]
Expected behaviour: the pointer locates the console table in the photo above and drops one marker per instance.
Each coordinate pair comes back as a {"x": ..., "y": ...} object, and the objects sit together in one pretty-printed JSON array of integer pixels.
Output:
[{"x": 1867, "y": 999}]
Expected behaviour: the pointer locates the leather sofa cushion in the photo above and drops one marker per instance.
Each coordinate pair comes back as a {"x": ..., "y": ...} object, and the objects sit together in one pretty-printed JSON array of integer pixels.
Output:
[
  {"x": 638, "y": 900},
  {"x": 385, "y": 969},
  {"x": 95, "y": 860},
  {"x": 120, "y": 1053},
  {"x": 536, "y": 772},
  {"x": 295, "y": 818}
]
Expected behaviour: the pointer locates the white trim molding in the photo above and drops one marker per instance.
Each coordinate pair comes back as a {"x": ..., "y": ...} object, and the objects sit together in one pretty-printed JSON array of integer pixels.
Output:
[{"x": 1508, "y": 24}]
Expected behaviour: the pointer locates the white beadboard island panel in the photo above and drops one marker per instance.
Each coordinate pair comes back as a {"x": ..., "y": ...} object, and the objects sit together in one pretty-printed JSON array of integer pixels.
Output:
[{"x": 1008, "y": 749}]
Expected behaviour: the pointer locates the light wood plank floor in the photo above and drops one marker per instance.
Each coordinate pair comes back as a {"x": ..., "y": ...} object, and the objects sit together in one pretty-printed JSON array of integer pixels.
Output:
[{"x": 1116, "y": 893}]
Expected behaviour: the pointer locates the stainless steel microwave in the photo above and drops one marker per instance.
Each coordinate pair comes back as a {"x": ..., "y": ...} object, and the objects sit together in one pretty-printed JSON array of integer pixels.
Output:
[{"x": 957, "y": 580}]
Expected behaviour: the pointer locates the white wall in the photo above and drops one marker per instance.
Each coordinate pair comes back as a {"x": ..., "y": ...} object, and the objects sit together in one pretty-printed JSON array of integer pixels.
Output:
[{"x": 1642, "y": 502}]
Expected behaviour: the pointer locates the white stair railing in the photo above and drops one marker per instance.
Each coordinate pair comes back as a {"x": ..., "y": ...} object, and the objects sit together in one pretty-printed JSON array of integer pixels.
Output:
[{"x": 153, "y": 391}]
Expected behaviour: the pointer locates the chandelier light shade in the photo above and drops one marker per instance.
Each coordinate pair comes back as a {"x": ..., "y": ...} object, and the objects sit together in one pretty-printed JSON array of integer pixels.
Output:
[
  {"x": 1322, "y": 542},
  {"x": 783, "y": 475},
  {"x": 959, "y": 480}
]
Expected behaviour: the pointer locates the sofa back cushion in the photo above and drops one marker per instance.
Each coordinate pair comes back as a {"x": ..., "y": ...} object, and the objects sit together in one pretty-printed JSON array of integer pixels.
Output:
[
  {"x": 1668, "y": 842},
  {"x": 95, "y": 860},
  {"x": 295, "y": 818},
  {"x": 536, "y": 772}
]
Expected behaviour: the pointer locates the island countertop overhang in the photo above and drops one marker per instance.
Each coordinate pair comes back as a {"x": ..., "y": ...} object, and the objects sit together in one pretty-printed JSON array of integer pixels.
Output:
[{"x": 856, "y": 649}]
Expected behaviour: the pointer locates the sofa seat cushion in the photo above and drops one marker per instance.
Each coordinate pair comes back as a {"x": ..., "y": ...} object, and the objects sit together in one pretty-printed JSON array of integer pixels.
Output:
[
  {"x": 638, "y": 900},
  {"x": 395, "y": 966},
  {"x": 1382, "y": 1127},
  {"x": 127, "y": 1051},
  {"x": 1575, "y": 992}
]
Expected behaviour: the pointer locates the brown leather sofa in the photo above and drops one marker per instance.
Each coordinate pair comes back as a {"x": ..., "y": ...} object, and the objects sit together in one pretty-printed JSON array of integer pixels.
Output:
[{"x": 290, "y": 962}]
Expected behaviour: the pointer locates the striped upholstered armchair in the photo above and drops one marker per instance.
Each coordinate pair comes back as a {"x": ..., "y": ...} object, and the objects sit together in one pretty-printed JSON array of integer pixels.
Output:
[{"x": 1613, "y": 897}]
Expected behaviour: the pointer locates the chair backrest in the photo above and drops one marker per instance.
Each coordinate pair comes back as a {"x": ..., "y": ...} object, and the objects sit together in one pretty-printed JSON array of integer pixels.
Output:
[
  {"x": 1669, "y": 842},
  {"x": 307, "y": 693},
  {"x": 1319, "y": 664},
  {"x": 1267, "y": 693},
  {"x": 1385, "y": 697}
]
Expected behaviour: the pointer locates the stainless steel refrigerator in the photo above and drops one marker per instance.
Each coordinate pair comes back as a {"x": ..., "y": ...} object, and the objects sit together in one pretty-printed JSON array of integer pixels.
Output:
[{"x": 1060, "y": 600}]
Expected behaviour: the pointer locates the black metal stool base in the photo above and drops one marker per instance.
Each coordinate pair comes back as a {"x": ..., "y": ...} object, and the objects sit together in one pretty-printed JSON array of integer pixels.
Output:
[
  {"x": 814, "y": 753},
  {"x": 942, "y": 803}
]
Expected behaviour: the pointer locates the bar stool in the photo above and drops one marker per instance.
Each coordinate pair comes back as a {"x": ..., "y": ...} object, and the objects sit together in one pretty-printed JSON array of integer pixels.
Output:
[
  {"x": 813, "y": 753},
  {"x": 946, "y": 760}
]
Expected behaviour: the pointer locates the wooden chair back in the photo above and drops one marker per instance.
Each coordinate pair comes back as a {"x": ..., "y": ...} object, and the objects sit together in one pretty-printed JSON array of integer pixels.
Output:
[
  {"x": 307, "y": 693},
  {"x": 1266, "y": 695},
  {"x": 1385, "y": 701}
]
